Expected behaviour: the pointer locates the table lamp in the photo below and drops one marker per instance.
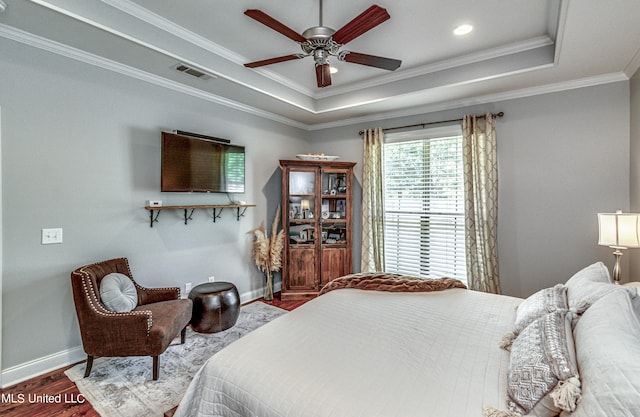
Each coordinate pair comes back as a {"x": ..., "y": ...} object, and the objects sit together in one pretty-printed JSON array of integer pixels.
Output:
[
  {"x": 304, "y": 206},
  {"x": 619, "y": 231}
]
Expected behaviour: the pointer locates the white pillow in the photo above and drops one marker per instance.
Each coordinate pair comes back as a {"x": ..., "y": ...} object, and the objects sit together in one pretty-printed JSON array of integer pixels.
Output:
[
  {"x": 633, "y": 284},
  {"x": 590, "y": 284},
  {"x": 607, "y": 339},
  {"x": 118, "y": 293}
]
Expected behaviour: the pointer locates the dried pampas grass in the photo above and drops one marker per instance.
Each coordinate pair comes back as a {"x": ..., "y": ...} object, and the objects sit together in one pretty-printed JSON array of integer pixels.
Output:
[{"x": 267, "y": 251}]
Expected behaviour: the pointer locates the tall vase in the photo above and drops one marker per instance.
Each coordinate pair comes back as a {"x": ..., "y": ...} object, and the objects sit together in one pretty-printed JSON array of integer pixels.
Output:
[{"x": 268, "y": 289}]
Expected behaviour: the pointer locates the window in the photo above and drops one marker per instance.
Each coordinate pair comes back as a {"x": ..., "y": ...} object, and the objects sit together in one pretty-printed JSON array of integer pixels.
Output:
[
  {"x": 424, "y": 203},
  {"x": 234, "y": 170}
]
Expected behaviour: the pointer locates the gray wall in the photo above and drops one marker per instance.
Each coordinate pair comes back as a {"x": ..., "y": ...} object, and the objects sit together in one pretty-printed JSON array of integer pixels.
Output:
[
  {"x": 81, "y": 151},
  {"x": 562, "y": 158}
]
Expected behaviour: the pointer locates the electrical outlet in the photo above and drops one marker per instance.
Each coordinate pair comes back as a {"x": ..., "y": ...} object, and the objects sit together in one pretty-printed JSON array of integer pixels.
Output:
[
  {"x": 212, "y": 278},
  {"x": 50, "y": 236},
  {"x": 187, "y": 287}
]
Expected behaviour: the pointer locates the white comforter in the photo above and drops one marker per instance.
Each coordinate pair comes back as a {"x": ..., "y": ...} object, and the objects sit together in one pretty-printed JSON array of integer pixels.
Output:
[{"x": 355, "y": 353}]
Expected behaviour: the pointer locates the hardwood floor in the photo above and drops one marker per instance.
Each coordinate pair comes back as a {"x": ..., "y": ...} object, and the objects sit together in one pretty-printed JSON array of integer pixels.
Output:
[
  {"x": 287, "y": 305},
  {"x": 54, "y": 395},
  {"x": 51, "y": 394}
]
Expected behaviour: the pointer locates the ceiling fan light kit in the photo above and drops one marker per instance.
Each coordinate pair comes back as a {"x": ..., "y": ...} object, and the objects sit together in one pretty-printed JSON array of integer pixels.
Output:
[
  {"x": 322, "y": 42},
  {"x": 462, "y": 30}
]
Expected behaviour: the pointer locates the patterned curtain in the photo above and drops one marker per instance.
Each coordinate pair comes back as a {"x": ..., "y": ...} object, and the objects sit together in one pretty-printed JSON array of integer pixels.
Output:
[
  {"x": 372, "y": 203},
  {"x": 481, "y": 202}
]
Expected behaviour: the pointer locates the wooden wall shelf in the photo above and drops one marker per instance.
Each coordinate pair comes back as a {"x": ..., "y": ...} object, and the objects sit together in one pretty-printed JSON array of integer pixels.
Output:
[{"x": 217, "y": 210}]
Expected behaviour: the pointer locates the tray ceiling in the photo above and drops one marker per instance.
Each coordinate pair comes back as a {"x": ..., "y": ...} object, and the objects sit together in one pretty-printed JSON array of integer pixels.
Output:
[{"x": 517, "y": 48}]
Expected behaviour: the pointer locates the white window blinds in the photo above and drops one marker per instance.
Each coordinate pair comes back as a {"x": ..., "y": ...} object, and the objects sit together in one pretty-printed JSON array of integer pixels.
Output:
[{"x": 424, "y": 203}]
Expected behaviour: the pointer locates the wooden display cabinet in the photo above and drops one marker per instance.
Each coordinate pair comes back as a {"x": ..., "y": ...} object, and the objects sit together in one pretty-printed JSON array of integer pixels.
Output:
[{"x": 316, "y": 218}]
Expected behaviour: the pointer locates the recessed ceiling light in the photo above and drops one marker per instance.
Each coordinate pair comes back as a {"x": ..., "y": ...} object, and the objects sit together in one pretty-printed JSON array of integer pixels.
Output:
[
  {"x": 462, "y": 30},
  {"x": 333, "y": 70}
]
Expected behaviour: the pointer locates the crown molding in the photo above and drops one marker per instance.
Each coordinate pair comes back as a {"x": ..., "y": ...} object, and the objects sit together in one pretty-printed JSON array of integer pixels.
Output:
[
  {"x": 633, "y": 65},
  {"x": 58, "y": 48},
  {"x": 560, "y": 26},
  {"x": 150, "y": 20},
  {"x": 484, "y": 99},
  {"x": 160, "y": 22},
  {"x": 176, "y": 55},
  {"x": 145, "y": 15},
  {"x": 484, "y": 55},
  {"x": 48, "y": 45}
]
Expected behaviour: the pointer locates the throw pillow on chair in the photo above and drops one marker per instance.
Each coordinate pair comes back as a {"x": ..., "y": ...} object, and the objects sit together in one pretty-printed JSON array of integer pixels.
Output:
[{"x": 118, "y": 293}]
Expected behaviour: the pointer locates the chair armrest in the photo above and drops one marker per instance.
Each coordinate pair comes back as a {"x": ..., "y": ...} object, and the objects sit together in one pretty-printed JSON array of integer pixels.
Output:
[
  {"x": 108, "y": 333},
  {"x": 154, "y": 295}
]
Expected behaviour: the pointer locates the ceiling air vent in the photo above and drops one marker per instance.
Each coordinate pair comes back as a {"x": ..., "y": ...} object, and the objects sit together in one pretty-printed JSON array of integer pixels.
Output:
[{"x": 192, "y": 71}]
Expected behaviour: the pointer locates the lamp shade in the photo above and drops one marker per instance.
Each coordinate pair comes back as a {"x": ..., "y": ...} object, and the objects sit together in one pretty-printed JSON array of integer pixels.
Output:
[{"x": 619, "y": 230}]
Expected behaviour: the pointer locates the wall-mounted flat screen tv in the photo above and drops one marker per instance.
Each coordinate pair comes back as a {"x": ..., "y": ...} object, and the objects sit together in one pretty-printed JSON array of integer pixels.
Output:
[{"x": 191, "y": 164}]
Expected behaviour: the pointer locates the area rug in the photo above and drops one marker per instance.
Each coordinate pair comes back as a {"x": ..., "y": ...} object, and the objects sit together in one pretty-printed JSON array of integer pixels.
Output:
[{"x": 122, "y": 387}]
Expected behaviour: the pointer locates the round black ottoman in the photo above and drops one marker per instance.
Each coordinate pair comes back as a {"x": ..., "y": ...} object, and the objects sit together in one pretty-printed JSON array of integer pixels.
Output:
[{"x": 216, "y": 306}]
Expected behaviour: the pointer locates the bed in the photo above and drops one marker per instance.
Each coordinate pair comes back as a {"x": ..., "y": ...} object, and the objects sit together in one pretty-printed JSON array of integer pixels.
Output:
[{"x": 354, "y": 352}]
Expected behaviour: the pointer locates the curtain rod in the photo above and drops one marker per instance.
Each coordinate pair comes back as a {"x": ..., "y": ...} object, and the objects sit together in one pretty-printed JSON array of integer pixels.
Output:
[{"x": 498, "y": 115}]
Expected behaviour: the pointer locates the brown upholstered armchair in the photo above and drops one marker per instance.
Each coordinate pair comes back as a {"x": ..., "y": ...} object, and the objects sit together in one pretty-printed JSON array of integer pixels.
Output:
[{"x": 147, "y": 330}]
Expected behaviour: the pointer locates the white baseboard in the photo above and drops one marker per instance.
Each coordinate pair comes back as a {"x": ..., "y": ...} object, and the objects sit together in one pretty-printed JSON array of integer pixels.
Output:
[
  {"x": 31, "y": 369},
  {"x": 258, "y": 293},
  {"x": 28, "y": 370}
]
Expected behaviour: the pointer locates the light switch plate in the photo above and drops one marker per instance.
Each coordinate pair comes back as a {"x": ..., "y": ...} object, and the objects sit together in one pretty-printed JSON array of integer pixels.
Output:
[{"x": 50, "y": 236}]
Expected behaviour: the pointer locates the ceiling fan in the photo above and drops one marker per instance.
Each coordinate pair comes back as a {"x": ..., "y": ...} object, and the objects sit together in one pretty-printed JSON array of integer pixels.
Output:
[{"x": 321, "y": 42}]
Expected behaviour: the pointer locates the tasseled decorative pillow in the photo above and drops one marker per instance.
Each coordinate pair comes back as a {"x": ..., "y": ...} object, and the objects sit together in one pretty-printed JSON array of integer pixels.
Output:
[
  {"x": 543, "y": 376},
  {"x": 535, "y": 306}
]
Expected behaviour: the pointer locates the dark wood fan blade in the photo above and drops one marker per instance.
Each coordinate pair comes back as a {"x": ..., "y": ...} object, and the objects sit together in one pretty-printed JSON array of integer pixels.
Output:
[
  {"x": 273, "y": 60},
  {"x": 364, "y": 22},
  {"x": 269, "y": 21},
  {"x": 371, "y": 60},
  {"x": 323, "y": 75}
]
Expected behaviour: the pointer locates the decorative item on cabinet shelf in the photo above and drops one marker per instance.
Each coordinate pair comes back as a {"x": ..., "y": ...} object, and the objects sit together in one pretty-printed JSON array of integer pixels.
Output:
[
  {"x": 316, "y": 157},
  {"x": 302, "y": 234},
  {"x": 267, "y": 252},
  {"x": 334, "y": 183},
  {"x": 307, "y": 213}
]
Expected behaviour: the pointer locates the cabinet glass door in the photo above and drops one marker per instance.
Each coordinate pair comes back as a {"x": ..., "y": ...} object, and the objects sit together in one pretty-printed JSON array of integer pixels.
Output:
[
  {"x": 302, "y": 207},
  {"x": 334, "y": 207}
]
